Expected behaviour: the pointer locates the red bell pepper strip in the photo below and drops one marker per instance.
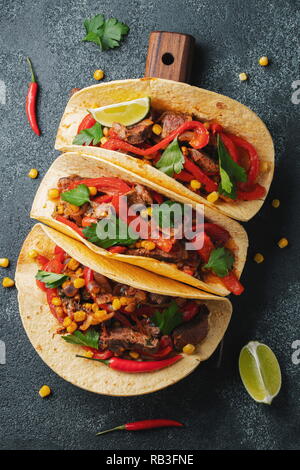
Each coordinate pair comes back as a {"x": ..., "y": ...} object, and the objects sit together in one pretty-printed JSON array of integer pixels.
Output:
[
  {"x": 133, "y": 367},
  {"x": 232, "y": 283},
  {"x": 41, "y": 259},
  {"x": 257, "y": 192},
  {"x": 216, "y": 128},
  {"x": 218, "y": 234},
  {"x": 31, "y": 101},
  {"x": 189, "y": 311},
  {"x": 104, "y": 199},
  {"x": 194, "y": 169},
  {"x": 70, "y": 224},
  {"x": 88, "y": 275},
  {"x": 53, "y": 266},
  {"x": 184, "y": 176},
  {"x": 206, "y": 249},
  {"x": 142, "y": 425},
  {"x": 108, "y": 185},
  {"x": 117, "y": 249},
  {"x": 230, "y": 145},
  {"x": 253, "y": 156},
  {"x": 87, "y": 122}
]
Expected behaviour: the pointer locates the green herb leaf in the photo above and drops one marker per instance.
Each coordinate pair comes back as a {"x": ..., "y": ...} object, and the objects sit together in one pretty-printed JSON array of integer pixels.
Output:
[
  {"x": 168, "y": 319},
  {"x": 172, "y": 159},
  {"x": 165, "y": 217},
  {"x": 90, "y": 338},
  {"x": 51, "y": 280},
  {"x": 230, "y": 172},
  {"x": 99, "y": 233},
  {"x": 220, "y": 261},
  {"x": 77, "y": 196},
  {"x": 93, "y": 135},
  {"x": 107, "y": 34}
]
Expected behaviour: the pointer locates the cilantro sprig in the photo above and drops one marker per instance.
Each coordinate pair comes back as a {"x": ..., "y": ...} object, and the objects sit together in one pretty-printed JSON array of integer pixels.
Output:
[
  {"x": 168, "y": 319},
  {"x": 91, "y": 136},
  {"x": 172, "y": 159},
  {"x": 51, "y": 280},
  {"x": 90, "y": 338},
  {"x": 99, "y": 233},
  {"x": 77, "y": 196},
  {"x": 230, "y": 172},
  {"x": 107, "y": 34},
  {"x": 220, "y": 261}
]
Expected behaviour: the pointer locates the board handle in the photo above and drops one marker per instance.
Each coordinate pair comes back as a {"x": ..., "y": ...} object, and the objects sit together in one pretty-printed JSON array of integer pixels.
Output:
[{"x": 170, "y": 56}]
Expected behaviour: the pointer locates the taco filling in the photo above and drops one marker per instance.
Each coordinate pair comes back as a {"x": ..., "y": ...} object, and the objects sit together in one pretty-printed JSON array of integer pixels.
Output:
[
  {"x": 109, "y": 319},
  {"x": 203, "y": 156},
  {"x": 83, "y": 204}
]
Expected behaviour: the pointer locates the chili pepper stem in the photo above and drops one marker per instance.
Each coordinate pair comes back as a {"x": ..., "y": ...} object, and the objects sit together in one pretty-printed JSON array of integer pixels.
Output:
[
  {"x": 117, "y": 428},
  {"x": 104, "y": 361},
  {"x": 33, "y": 79}
]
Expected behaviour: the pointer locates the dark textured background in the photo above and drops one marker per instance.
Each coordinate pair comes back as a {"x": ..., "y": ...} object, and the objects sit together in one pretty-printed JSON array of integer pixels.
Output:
[{"x": 231, "y": 35}]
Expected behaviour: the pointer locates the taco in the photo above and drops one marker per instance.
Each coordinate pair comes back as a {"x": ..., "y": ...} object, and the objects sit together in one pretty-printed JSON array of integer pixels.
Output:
[
  {"x": 197, "y": 143},
  {"x": 89, "y": 191},
  {"x": 106, "y": 310}
]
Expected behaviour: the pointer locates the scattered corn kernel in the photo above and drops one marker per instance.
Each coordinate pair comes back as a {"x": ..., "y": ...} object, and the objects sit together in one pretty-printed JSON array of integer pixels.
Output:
[
  {"x": 72, "y": 327},
  {"x": 105, "y": 131},
  {"x": 188, "y": 349},
  {"x": 213, "y": 197},
  {"x": 156, "y": 129},
  {"x": 134, "y": 354},
  {"x": 80, "y": 315},
  {"x": 93, "y": 190},
  {"x": 8, "y": 282},
  {"x": 67, "y": 322},
  {"x": 79, "y": 283},
  {"x": 44, "y": 391},
  {"x": 283, "y": 242},
  {"x": 73, "y": 264},
  {"x": 263, "y": 61},
  {"x": 4, "y": 262},
  {"x": 56, "y": 301},
  {"x": 148, "y": 245},
  {"x": 243, "y": 76},
  {"x": 276, "y": 203},
  {"x": 116, "y": 304},
  {"x": 103, "y": 140},
  {"x": 98, "y": 74},
  {"x": 60, "y": 209},
  {"x": 32, "y": 254},
  {"x": 195, "y": 184},
  {"x": 33, "y": 173},
  {"x": 263, "y": 166},
  {"x": 53, "y": 193},
  {"x": 89, "y": 354},
  {"x": 259, "y": 258}
]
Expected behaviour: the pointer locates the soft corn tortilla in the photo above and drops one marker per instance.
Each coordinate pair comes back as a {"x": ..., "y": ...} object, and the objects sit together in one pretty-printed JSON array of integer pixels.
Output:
[
  {"x": 93, "y": 167},
  {"x": 41, "y": 326},
  {"x": 169, "y": 95}
]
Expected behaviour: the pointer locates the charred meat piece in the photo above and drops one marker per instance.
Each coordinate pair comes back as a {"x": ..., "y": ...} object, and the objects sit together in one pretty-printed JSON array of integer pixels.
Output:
[
  {"x": 170, "y": 121},
  {"x": 136, "y": 134},
  {"x": 127, "y": 291},
  {"x": 64, "y": 183},
  {"x": 103, "y": 282},
  {"x": 176, "y": 255},
  {"x": 192, "y": 332},
  {"x": 70, "y": 305},
  {"x": 207, "y": 164},
  {"x": 124, "y": 338},
  {"x": 139, "y": 195},
  {"x": 158, "y": 298},
  {"x": 74, "y": 212}
]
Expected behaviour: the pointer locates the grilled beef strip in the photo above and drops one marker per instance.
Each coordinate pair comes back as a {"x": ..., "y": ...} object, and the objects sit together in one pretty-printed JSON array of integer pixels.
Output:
[
  {"x": 205, "y": 162},
  {"x": 135, "y": 135},
  {"x": 170, "y": 121},
  {"x": 192, "y": 332},
  {"x": 139, "y": 195}
]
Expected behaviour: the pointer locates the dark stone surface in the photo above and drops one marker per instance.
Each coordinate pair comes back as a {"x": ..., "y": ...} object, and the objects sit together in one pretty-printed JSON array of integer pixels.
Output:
[{"x": 231, "y": 35}]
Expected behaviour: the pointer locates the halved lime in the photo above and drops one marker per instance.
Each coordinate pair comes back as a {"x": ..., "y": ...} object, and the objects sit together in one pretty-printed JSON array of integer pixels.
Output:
[
  {"x": 260, "y": 372},
  {"x": 126, "y": 113}
]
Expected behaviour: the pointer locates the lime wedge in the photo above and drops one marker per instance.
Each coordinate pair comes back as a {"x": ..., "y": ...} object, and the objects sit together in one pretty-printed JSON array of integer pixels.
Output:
[
  {"x": 260, "y": 372},
  {"x": 126, "y": 113}
]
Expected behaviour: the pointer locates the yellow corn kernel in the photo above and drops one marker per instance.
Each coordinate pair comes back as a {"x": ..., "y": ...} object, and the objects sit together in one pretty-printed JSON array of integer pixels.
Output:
[
  {"x": 67, "y": 322},
  {"x": 184, "y": 150},
  {"x": 89, "y": 354},
  {"x": 103, "y": 140},
  {"x": 124, "y": 301},
  {"x": 138, "y": 244},
  {"x": 243, "y": 76},
  {"x": 73, "y": 264},
  {"x": 100, "y": 315},
  {"x": 276, "y": 203},
  {"x": 56, "y": 301},
  {"x": 188, "y": 349},
  {"x": 80, "y": 315},
  {"x": 74, "y": 208},
  {"x": 263, "y": 61},
  {"x": 146, "y": 212},
  {"x": 72, "y": 327},
  {"x": 53, "y": 193},
  {"x": 33, "y": 173},
  {"x": 93, "y": 190},
  {"x": 4, "y": 262},
  {"x": 32, "y": 254},
  {"x": 87, "y": 306},
  {"x": 44, "y": 391},
  {"x": 95, "y": 307},
  {"x": 105, "y": 131},
  {"x": 98, "y": 74},
  {"x": 134, "y": 354},
  {"x": 156, "y": 129},
  {"x": 213, "y": 197},
  {"x": 259, "y": 258},
  {"x": 79, "y": 283},
  {"x": 195, "y": 184},
  {"x": 116, "y": 304},
  {"x": 8, "y": 282},
  {"x": 60, "y": 209},
  {"x": 79, "y": 272},
  {"x": 148, "y": 245},
  {"x": 263, "y": 166},
  {"x": 283, "y": 242}
]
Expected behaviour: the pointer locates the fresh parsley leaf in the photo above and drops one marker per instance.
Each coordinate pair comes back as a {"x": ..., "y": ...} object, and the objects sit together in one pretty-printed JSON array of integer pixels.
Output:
[
  {"x": 165, "y": 217},
  {"x": 168, "y": 319},
  {"x": 230, "y": 171},
  {"x": 51, "y": 280},
  {"x": 93, "y": 135},
  {"x": 107, "y": 34},
  {"x": 77, "y": 196},
  {"x": 99, "y": 233},
  {"x": 172, "y": 159},
  {"x": 220, "y": 261},
  {"x": 90, "y": 338}
]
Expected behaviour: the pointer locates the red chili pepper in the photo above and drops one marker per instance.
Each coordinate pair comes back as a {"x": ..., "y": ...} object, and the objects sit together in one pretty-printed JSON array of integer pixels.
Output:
[
  {"x": 142, "y": 425},
  {"x": 257, "y": 192},
  {"x": 189, "y": 311},
  {"x": 184, "y": 176},
  {"x": 133, "y": 367},
  {"x": 70, "y": 224},
  {"x": 194, "y": 169},
  {"x": 103, "y": 355},
  {"x": 231, "y": 148},
  {"x": 253, "y": 156},
  {"x": 159, "y": 354},
  {"x": 232, "y": 283},
  {"x": 109, "y": 185},
  {"x": 31, "y": 101},
  {"x": 117, "y": 249},
  {"x": 87, "y": 122}
]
